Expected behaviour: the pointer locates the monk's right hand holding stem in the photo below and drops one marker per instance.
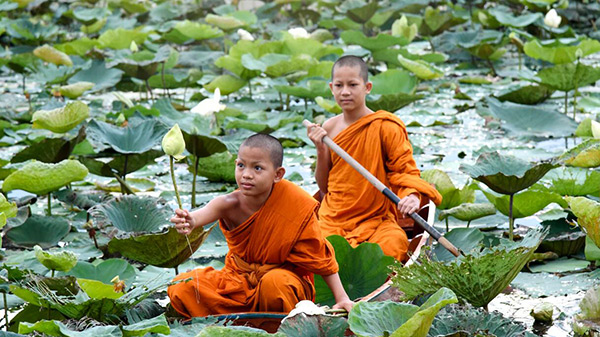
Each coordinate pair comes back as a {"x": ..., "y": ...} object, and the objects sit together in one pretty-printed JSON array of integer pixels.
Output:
[
  {"x": 184, "y": 221},
  {"x": 316, "y": 133}
]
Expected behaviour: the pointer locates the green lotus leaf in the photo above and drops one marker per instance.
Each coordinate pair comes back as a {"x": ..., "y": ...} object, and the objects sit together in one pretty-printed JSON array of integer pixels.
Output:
[
  {"x": 586, "y": 154},
  {"x": 398, "y": 319},
  {"x": 307, "y": 46},
  {"x": 567, "y": 77},
  {"x": 218, "y": 167},
  {"x": 99, "y": 74},
  {"x": 50, "y": 54},
  {"x": 156, "y": 325},
  {"x": 401, "y": 28},
  {"x": 8, "y": 208},
  {"x": 474, "y": 80},
  {"x": 23, "y": 63},
  {"x": 192, "y": 30},
  {"x": 390, "y": 56},
  {"x": 41, "y": 178},
  {"x": 475, "y": 322},
  {"x": 468, "y": 211},
  {"x": 141, "y": 65},
  {"x": 504, "y": 16},
  {"x": 563, "y": 238},
  {"x": 98, "y": 290},
  {"x": 328, "y": 105},
  {"x": 90, "y": 15},
  {"x": 137, "y": 137},
  {"x": 584, "y": 322},
  {"x": 573, "y": 181},
  {"x": 313, "y": 325},
  {"x": 421, "y": 69},
  {"x": 62, "y": 119},
  {"x": 45, "y": 231},
  {"x": 530, "y": 94},
  {"x": 587, "y": 212},
  {"x": 104, "y": 271},
  {"x": 286, "y": 66},
  {"x": 201, "y": 144},
  {"x": 558, "y": 53},
  {"x": 235, "y": 66},
  {"x": 381, "y": 41},
  {"x": 57, "y": 328},
  {"x": 585, "y": 128},
  {"x": 136, "y": 185},
  {"x": 309, "y": 89},
  {"x": 167, "y": 249},
  {"x": 476, "y": 278},
  {"x": 562, "y": 265},
  {"x": 75, "y": 90},
  {"x": 451, "y": 196},
  {"x": 435, "y": 22},
  {"x": 260, "y": 121},
  {"x": 121, "y": 38},
  {"x": 393, "y": 102},
  {"x": 393, "y": 81},
  {"x": 78, "y": 47},
  {"x": 526, "y": 203},
  {"x": 506, "y": 174},
  {"x": 359, "y": 11},
  {"x": 468, "y": 240},
  {"x": 60, "y": 261},
  {"x": 226, "y": 83},
  {"x": 362, "y": 269},
  {"x": 133, "y": 214},
  {"x": 134, "y": 161},
  {"x": 225, "y": 22},
  {"x": 235, "y": 331}
]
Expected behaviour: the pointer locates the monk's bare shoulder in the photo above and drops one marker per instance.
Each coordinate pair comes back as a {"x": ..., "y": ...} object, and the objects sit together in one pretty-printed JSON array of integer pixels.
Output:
[{"x": 334, "y": 125}]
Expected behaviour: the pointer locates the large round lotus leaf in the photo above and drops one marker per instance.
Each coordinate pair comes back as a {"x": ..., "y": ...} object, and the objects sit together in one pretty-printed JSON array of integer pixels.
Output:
[
  {"x": 309, "y": 89},
  {"x": 567, "y": 77},
  {"x": 451, "y": 196},
  {"x": 137, "y": 137},
  {"x": 99, "y": 74},
  {"x": 362, "y": 269},
  {"x": 285, "y": 66},
  {"x": 525, "y": 203},
  {"x": 75, "y": 90},
  {"x": 98, "y": 290},
  {"x": 41, "y": 178},
  {"x": 392, "y": 102},
  {"x": 574, "y": 181},
  {"x": 121, "y": 38},
  {"x": 226, "y": 83},
  {"x": 586, "y": 154},
  {"x": 435, "y": 21},
  {"x": 134, "y": 214},
  {"x": 168, "y": 249},
  {"x": 60, "y": 261},
  {"x": 218, "y": 167},
  {"x": 381, "y": 41},
  {"x": 202, "y": 145},
  {"x": 468, "y": 211},
  {"x": 530, "y": 94},
  {"x": 104, "y": 271},
  {"x": 393, "y": 81},
  {"x": 313, "y": 325},
  {"x": 45, "y": 231},
  {"x": 504, "y": 16},
  {"x": 525, "y": 120},
  {"x": 506, "y": 174},
  {"x": 50, "y": 54},
  {"x": 306, "y": 46},
  {"x": 8, "y": 208},
  {"x": 186, "y": 30},
  {"x": 558, "y": 53},
  {"x": 62, "y": 119},
  {"x": 587, "y": 212},
  {"x": 421, "y": 69}
]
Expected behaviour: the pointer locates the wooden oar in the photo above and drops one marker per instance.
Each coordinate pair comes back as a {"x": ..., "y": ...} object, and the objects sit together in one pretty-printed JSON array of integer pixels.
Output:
[{"x": 387, "y": 192}]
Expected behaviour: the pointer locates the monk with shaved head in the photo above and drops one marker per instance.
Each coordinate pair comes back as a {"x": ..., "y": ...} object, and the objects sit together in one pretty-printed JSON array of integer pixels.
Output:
[{"x": 275, "y": 243}]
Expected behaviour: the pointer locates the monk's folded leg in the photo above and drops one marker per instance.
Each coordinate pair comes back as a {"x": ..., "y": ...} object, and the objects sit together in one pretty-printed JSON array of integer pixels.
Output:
[
  {"x": 392, "y": 239},
  {"x": 279, "y": 290}
]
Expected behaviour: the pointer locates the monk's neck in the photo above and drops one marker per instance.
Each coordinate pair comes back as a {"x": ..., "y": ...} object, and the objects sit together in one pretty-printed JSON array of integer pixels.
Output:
[
  {"x": 253, "y": 203},
  {"x": 351, "y": 116}
]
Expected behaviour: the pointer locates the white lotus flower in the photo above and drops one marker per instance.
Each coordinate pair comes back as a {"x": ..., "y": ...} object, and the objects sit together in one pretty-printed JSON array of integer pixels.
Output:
[
  {"x": 305, "y": 307},
  {"x": 552, "y": 19},
  {"x": 245, "y": 35},
  {"x": 298, "y": 33},
  {"x": 209, "y": 106}
]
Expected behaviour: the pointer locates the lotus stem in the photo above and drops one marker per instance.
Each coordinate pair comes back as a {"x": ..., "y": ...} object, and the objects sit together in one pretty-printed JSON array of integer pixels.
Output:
[
  {"x": 520, "y": 59},
  {"x": 491, "y": 64},
  {"x": 511, "y": 220},
  {"x": 177, "y": 268},
  {"x": 5, "y": 311},
  {"x": 575, "y": 102},
  {"x": 468, "y": 223},
  {"x": 305, "y": 104},
  {"x": 566, "y": 101},
  {"x": 250, "y": 88},
  {"x": 149, "y": 89},
  {"x": 447, "y": 227},
  {"x": 162, "y": 76},
  {"x": 52, "y": 274},
  {"x": 125, "y": 168},
  {"x": 281, "y": 100},
  {"x": 431, "y": 44},
  {"x": 49, "y": 210},
  {"x": 196, "y": 162},
  {"x": 171, "y": 160}
]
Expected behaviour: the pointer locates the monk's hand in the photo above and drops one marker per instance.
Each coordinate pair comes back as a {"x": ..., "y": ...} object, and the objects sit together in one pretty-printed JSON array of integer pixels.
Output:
[
  {"x": 409, "y": 204},
  {"x": 316, "y": 133},
  {"x": 184, "y": 222},
  {"x": 344, "y": 304}
]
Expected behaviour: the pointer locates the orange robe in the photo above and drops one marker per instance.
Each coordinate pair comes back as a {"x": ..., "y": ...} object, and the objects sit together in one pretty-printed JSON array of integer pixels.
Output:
[
  {"x": 355, "y": 209},
  {"x": 269, "y": 266}
]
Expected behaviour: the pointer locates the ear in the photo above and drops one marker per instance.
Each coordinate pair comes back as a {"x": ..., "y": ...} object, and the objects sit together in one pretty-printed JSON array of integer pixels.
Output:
[
  {"x": 369, "y": 86},
  {"x": 279, "y": 173},
  {"x": 331, "y": 87}
]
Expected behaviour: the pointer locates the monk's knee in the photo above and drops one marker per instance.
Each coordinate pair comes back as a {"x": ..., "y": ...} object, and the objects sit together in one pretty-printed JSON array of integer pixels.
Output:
[{"x": 279, "y": 290}]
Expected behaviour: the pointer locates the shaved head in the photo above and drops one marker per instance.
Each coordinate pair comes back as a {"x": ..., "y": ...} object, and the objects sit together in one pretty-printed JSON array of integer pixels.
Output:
[
  {"x": 352, "y": 61},
  {"x": 269, "y": 144}
]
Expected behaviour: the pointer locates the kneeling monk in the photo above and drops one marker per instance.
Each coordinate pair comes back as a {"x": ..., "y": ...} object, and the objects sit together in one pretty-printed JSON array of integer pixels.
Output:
[{"x": 275, "y": 243}]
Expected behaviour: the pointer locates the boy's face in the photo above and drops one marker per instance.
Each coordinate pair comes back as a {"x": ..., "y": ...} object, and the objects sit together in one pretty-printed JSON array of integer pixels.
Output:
[
  {"x": 348, "y": 88},
  {"x": 255, "y": 174}
]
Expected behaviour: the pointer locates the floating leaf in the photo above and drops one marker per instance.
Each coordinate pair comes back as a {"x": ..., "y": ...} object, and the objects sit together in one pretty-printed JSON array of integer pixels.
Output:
[
  {"x": 362, "y": 269},
  {"x": 558, "y": 53},
  {"x": 421, "y": 69},
  {"x": 45, "y": 231},
  {"x": 530, "y": 94},
  {"x": 586, "y": 154},
  {"x": 75, "y": 90},
  {"x": 562, "y": 265},
  {"x": 60, "y": 261},
  {"x": 50, "y": 54},
  {"x": 41, "y": 178},
  {"x": 506, "y": 174},
  {"x": 62, "y": 119}
]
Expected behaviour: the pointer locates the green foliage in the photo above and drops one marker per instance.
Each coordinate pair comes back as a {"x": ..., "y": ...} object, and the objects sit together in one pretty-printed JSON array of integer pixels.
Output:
[
  {"x": 138, "y": 137},
  {"x": 41, "y": 178},
  {"x": 62, "y": 119},
  {"x": 586, "y": 154},
  {"x": 313, "y": 325},
  {"x": 587, "y": 212},
  {"x": 421, "y": 69},
  {"x": 558, "y": 53},
  {"x": 451, "y": 196},
  {"x": 60, "y": 261},
  {"x": 45, "y": 231}
]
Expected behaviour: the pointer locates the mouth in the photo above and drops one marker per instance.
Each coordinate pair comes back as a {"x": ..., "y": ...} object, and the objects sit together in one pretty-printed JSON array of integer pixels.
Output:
[
  {"x": 345, "y": 101},
  {"x": 246, "y": 185}
]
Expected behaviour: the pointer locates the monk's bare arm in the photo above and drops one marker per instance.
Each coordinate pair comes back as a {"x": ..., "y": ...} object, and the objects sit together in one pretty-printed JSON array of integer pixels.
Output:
[
  {"x": 316, "y": 134},
  {"x": 186, "y": 221},
  {"x": 341, "y": 298}
]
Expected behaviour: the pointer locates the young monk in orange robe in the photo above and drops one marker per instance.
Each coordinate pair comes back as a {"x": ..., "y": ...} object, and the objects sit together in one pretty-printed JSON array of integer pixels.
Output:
[
  {"x": 351, "y": 206},
  {"x": 275, "y": 243}
]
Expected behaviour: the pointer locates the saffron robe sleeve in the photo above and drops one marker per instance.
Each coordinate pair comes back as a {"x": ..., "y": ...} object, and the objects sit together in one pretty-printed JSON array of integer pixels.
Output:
[
  {"x": 355, "y": 209},
  {"x": 270, "y": 262}
]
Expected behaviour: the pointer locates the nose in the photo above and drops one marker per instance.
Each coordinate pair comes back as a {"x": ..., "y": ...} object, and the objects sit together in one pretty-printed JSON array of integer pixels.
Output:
[
  {"x": 345, "y": 91},
  {"x": 247, "y": 174}
]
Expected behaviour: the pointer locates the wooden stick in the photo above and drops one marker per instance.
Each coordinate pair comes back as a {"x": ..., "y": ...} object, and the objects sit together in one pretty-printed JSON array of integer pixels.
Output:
[{"x": 387, "y": 192}]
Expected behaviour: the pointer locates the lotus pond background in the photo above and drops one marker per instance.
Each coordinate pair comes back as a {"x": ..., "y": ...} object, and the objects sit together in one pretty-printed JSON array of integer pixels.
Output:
[{"x": 499, "y": 98}]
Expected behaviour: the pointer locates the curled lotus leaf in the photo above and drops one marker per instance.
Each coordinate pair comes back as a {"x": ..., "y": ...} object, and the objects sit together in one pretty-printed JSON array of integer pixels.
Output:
[
  {"x": 468, "y": 211},
  {"x": 42, "y": 178},
  {"x": 226, "y": 83},
  {"x": 570, "y": 76},
  {"x": 451, "y": 196},
  {"x": 586, "y": 154},
  {"x": 138, "y": 137},
  {"x": 8, "y": 208},
  {"x": 421, "y": 69},
  {"x": 133, "y": 214},
  {"x": 62, "y": 119},
  {"x": 52, "y": 55},
  {"x": 573, "y": 181},
  {"x": 525, "y": 203},
  {"x": 75, "y": 90},
  {"x": 63, "y": 260},
  {"x": 225, "y": 22},
  {"x": 506, "y": 174},
  {"x": 587, "y": 212},
  {"x": 328, "y": 105}
]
